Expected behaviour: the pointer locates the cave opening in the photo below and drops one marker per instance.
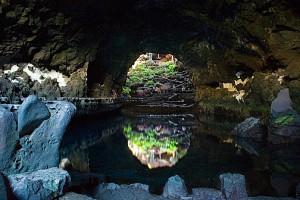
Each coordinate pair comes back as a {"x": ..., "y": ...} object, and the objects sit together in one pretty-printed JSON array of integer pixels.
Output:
[{"x": 156, "y": 74}]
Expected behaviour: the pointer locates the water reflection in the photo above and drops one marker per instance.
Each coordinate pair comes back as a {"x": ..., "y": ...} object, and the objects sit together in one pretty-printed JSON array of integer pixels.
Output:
[{"x": 158, "y": 143}]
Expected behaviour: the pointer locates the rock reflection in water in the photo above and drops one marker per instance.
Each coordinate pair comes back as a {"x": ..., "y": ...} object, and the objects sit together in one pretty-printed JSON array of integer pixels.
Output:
[{"x": 158, "y": 145}]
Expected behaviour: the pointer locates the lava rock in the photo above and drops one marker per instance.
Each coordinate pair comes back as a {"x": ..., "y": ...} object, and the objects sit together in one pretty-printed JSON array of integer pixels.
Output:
[
  {"x": 250, "y": 128},
  {"x": 233, "y": 186},
  {"x": 75, "y": 196},
  {"x": 113, "y": 191},
  {"x": 39, "y": 185},
  {"x": 207, "y": 194},
  {"x": 40, "y": 150},
  {"x": 175, "y": 188},
  {"x": 282, "y": 103},
  {"x": 3, "y": 188},
  {"x": 31, "y": 114},
  {"x": 8, "y": 138}
]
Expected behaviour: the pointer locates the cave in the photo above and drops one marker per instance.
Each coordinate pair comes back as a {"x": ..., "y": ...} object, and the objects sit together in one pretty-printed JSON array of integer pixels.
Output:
[{"x": 149, "y": 99}]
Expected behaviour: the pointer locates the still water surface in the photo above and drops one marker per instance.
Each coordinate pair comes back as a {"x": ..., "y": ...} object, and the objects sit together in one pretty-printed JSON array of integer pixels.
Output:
[{"x": 150, "y": 148}]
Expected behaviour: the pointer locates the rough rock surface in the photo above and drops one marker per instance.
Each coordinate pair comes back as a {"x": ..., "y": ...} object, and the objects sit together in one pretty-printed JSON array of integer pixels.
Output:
[
  {"x": 8, "y": 138},
  {"x": 282, "y": 103},
  {"x": 75, "y": 196},
  {"x": 113, "y": 191},
  {"x": 3, "y": 188},
  {"x": 39, "y": 185},
  {"x": 284, "y": 126},
  {"x": 207, "y": 194},
  {"x": 40, "y": 150},
  {"x": 175, "y": 188},
  {"x": 31, "y": 114},
  {"x": 248, "y": 36},
  {"x": 233, "y": 186},
  {"x": 250, "y": 128}
]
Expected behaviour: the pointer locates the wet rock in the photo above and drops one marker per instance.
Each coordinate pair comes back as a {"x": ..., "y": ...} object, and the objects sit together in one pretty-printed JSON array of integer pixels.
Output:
[
  {"x": 39, "y": 185},
  {"x": 250, "y": 128},
  {"x": 8, "y": 138},
  {"x": 284, "y": 124},
  {"x": 3, "y": 188},
  {"x": 40, "y": 150},
  {"x": 113, "y": 191},
  {"x": 31, "y": 114},
  {"x": 251, "y": 146},
  {"x": 207, "y": 194},
  {"x": 233, "y": 186},
  {"x": 175, "y": 188},
  {"x": 75, "y": 196},
  {"x": 282, "y": 103}
]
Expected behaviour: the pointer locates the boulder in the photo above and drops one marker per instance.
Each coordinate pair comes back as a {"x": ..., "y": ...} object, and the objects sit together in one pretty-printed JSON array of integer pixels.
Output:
[
  {"x": 39, "y": 185},
  {"x": 282, "y": 103},
  {"x": 3, "y": 188},
  {"x": 40, "y": 150},
  {"x": 75, "y": 196},
  {"x": 253, "y": 147},
  {"x": 175, "y": 188},
  {"x": 284, "y": 126},
  {"x": 233, "y": 186},
  {"x": 250, "y": 128},
  {"x": 207, "y": 194},
  {"x": 31, "y": 114},
  {"x": 113, "y": 191},
  {"x": 8, "y": 138}
]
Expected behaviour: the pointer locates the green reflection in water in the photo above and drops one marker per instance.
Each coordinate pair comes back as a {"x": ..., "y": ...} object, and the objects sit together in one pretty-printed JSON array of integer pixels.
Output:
[{"x": 154, "y": 149}]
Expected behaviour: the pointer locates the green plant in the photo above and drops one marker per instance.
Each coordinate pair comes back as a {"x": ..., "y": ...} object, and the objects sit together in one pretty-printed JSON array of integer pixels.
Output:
[
  {"x": 126, "y": 90},
  {"x": 149, "y": 140},
  {"x": 284, "y": 120},
  {"x": 146, "y": 75}
]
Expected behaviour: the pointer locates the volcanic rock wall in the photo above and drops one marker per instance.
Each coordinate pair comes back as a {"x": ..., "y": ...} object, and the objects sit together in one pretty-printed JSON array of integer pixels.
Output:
[{"x": 219, "y": 41}]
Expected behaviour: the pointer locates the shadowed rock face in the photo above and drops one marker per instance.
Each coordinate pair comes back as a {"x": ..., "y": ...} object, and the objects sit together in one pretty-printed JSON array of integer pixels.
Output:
[{"x": 8, "y": 138}]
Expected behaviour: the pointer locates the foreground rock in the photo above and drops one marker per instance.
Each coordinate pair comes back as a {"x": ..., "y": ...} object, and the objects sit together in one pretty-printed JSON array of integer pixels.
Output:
[
  {"x": 39, "y": 185},
  {"x": 233, "y": 186},
  {"x": 8, "y": 138},
  {"x": 113, "y": 191},
  {"x": 31, "y": 114},
  {"x": 175, "y": 188},
  {"x": 3, "y": 188},
  {"x": 282, "y": 103},
  {"x": 250, "y": 128},
  {"x": 207, "y": 194},
  {"x": 284, "y": 124},
  {"x": 75, "y": 196},
  {"x": 40, "y": 150}
]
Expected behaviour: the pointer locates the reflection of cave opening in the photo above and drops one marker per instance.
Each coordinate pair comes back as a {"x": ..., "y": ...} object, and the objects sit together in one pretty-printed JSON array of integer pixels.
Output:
[{"x": 156, "y": 74}]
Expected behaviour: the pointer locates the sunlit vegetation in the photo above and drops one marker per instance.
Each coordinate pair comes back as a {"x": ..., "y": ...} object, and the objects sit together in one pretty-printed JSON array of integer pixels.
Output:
[
  {"x": 148, "y": 74},
  {"x": 150, "y": 139},
  {"x": 284, "y": 120}
]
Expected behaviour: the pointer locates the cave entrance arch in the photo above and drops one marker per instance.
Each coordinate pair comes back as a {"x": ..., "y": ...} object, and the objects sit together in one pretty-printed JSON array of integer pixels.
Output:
[{"x": 156, "y": 74}]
